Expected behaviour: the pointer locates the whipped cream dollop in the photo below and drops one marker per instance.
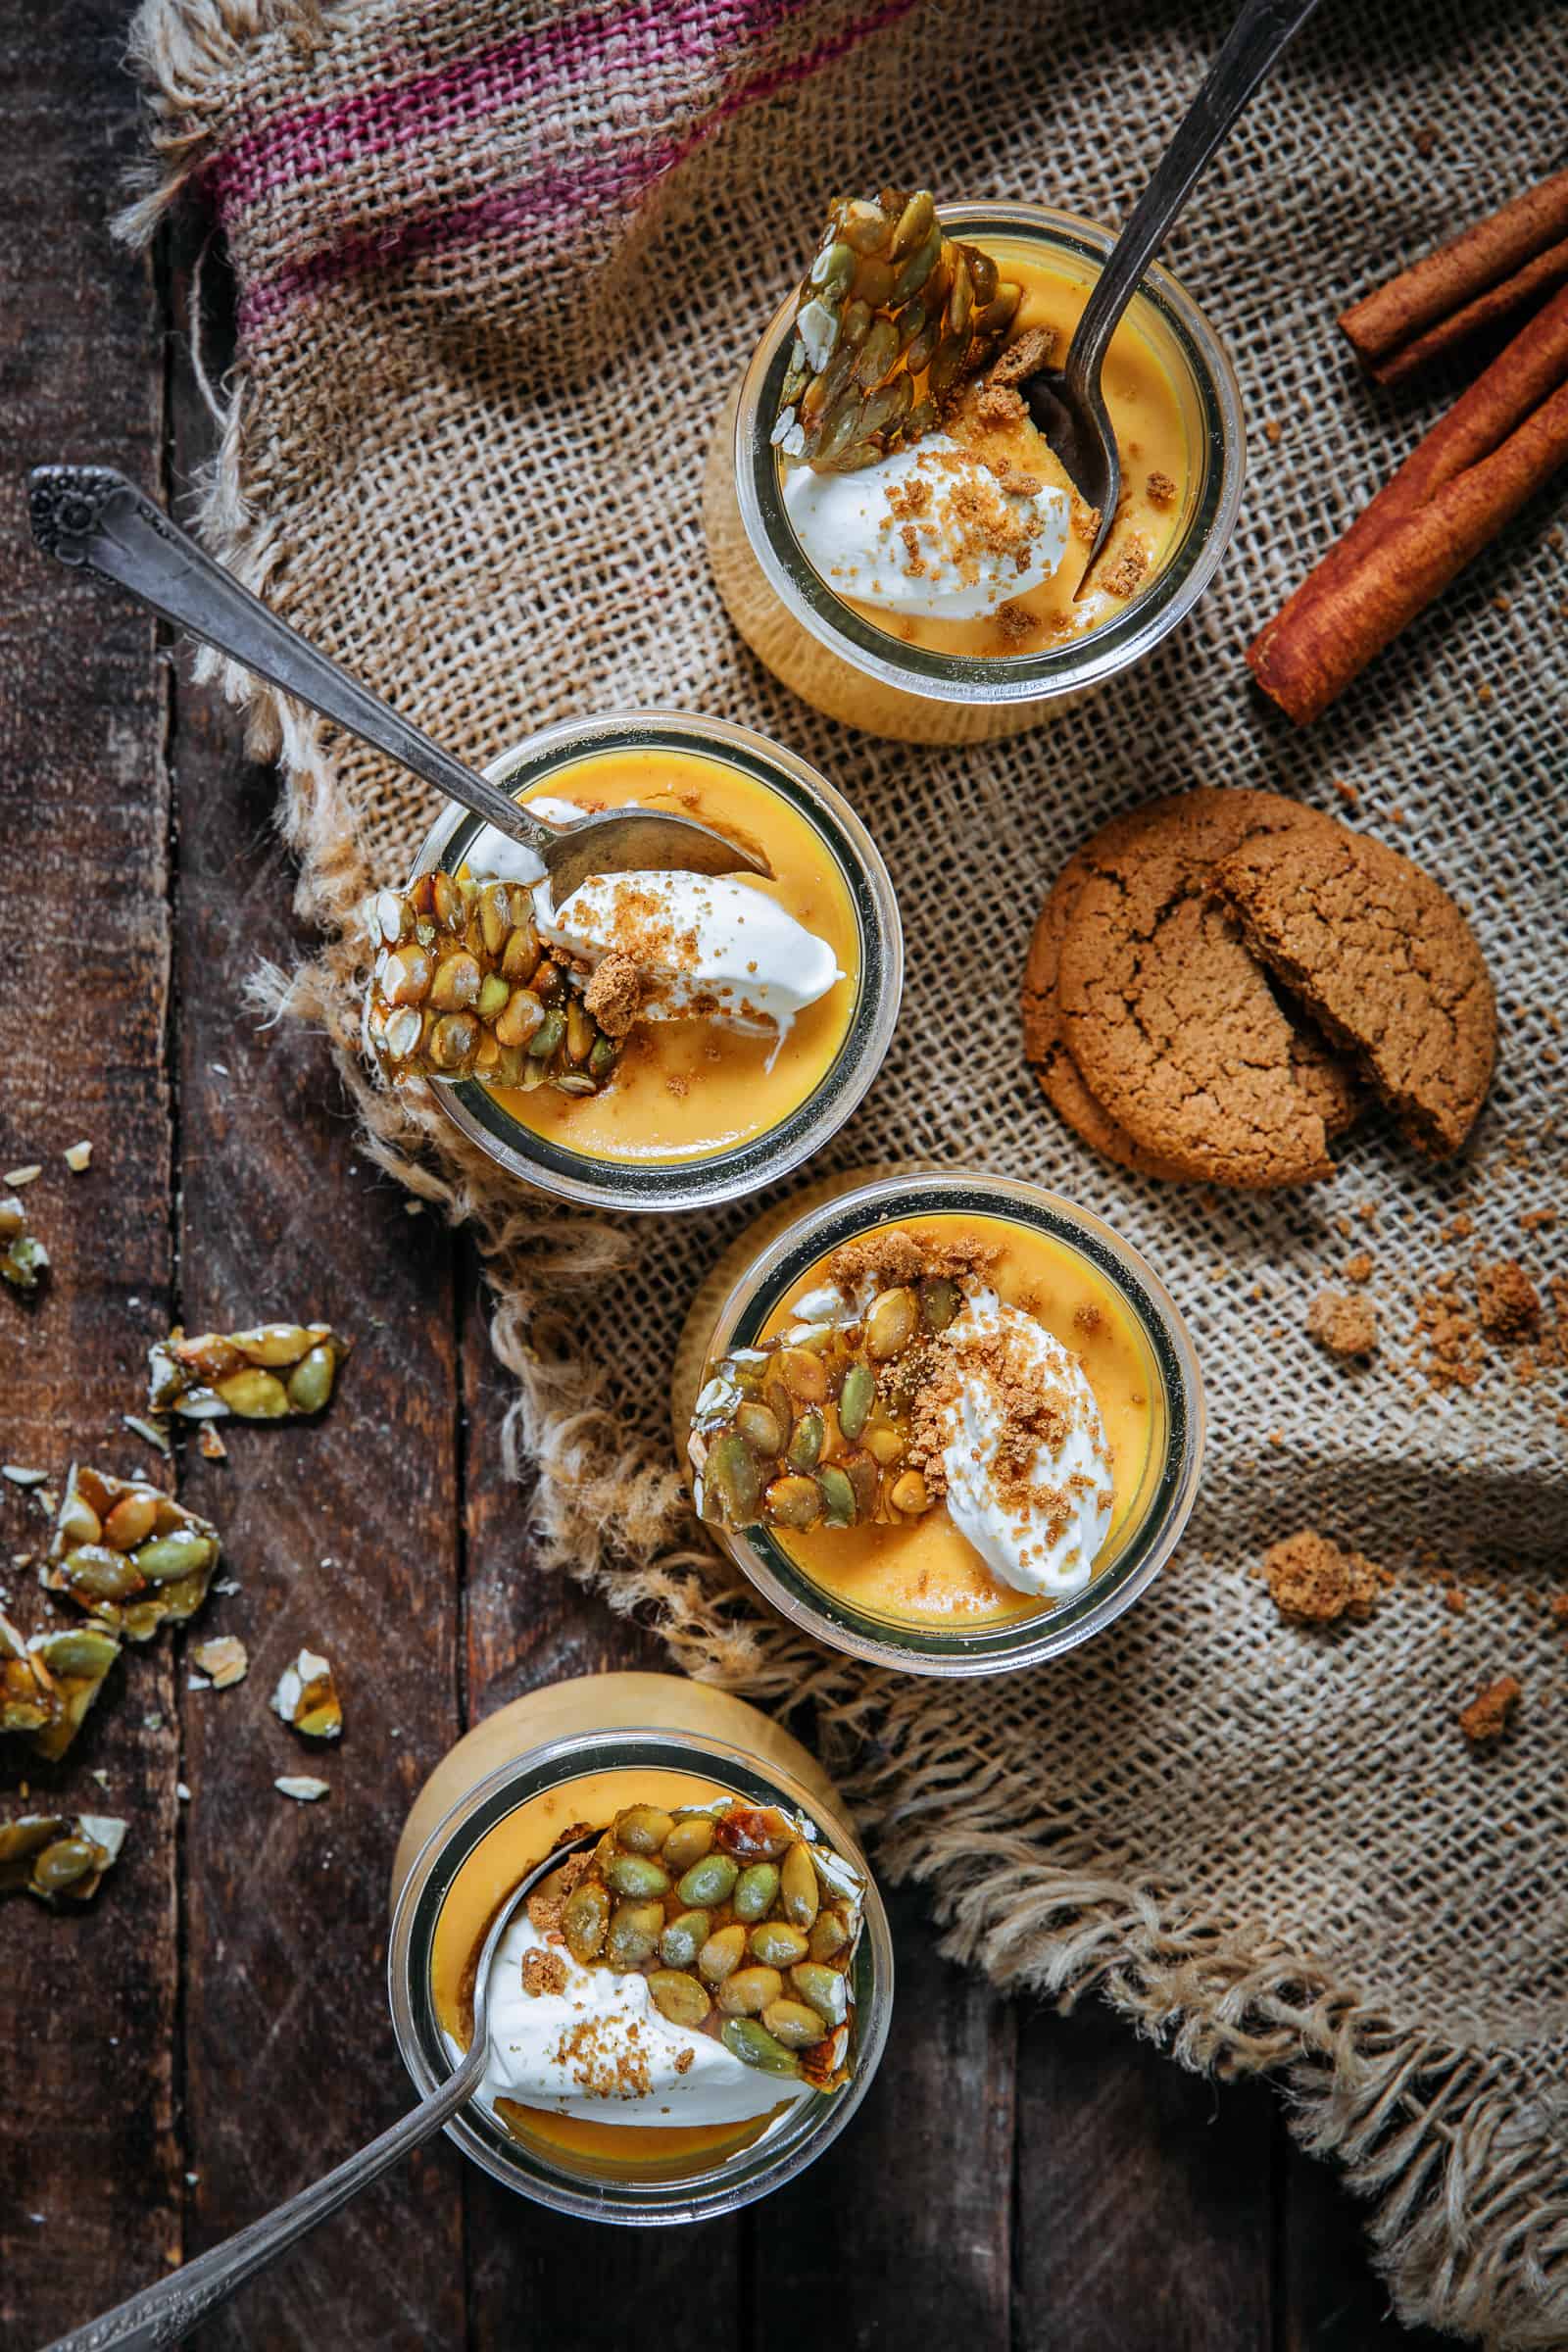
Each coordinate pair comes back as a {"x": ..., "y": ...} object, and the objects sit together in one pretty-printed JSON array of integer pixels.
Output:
[
  {"x": 1026, "y": 1459},
  {"x": 1024, "y": 1451},
  {"x": 598, "y": 2048},
  {"x": 705, "y": 944},
  {"x": 930, "y": 531}
]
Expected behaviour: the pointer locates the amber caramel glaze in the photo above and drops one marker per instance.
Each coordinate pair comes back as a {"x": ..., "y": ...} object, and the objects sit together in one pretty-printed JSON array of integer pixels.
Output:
[
  {"x": 505, "y": 1855},
  {"x": 924, "y": 1572},
  {"x": 689, "y": 1090},
  {"x": 1151, "y": 438}
]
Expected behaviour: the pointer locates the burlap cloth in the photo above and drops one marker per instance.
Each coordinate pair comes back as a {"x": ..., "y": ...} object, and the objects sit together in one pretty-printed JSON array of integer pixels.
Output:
[{"x": 498, "y": 262}]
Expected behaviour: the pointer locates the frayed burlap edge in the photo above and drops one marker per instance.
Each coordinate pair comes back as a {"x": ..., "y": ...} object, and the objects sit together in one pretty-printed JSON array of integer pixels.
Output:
[{"x": 1458, "y": 2151}]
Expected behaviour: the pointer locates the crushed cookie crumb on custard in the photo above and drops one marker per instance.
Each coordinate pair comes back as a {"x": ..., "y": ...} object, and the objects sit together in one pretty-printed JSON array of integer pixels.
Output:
[
  {"x": 603, "y": 2061},
  {"x": 1160, "y": 489},
  {"x": 615, "y": 994},
  {"x": 1127, "y": 572},
  {"x": 893, "y": 1257},
  {"x": 1015, "y": 622}
]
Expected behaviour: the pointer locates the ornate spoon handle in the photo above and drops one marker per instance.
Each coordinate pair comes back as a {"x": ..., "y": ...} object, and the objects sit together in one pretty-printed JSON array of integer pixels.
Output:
[
  {"x": 95, "y": 521},
  {"x": 162, "y": 2315}
]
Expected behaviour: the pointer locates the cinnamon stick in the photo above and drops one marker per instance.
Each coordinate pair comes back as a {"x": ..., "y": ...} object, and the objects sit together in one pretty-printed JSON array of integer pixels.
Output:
[
  {"x": 1479, "y": 464},
  {"x": 1497, "y": 271}
]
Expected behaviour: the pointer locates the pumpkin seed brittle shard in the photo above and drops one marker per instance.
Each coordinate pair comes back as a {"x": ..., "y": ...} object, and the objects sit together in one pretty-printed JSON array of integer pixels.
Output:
[
  {"x": 128, "y": 1553},
  {"x": 272, "y": 1372},
  {"x": 706, "y": 1904},
  {"x": 307, "y": 1698},
  {"x": 224, "y": 1660},
  {"x": 815, "y": 1426},
  {"x": 463, "y": 987},
  {"x": 57, "y": 1858},
  {"x": 891, "y": 319},
  {"x": 23, "y": 1259}
]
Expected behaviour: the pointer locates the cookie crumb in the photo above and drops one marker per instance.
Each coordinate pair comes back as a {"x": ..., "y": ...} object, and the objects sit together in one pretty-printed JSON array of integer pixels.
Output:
[
  {"x": 1507, "y": 1300},
  {"x": 1161, "y": 490},
  {"x": 1343, "y": 1324},
  {"x": 1311, "y": 1581},
  {"x": 1359, "y": 1268},
  {"x": 1558, "y": 1609},
  {"x": 1486, "y": 1718},
  {"x": 543, "y": 1972},
  {"x": 615, "y": 994},
  {"x": 1454, "y": 1600},
  {"x": 1424, "y": 140},
  {"x": 1272, "y": 429},
  {"x": 1537, "y": 1220}
]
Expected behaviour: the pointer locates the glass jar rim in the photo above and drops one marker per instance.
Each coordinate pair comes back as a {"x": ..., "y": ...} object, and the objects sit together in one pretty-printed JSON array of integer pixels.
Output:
[
  {"x": 755, "y": 2171},
  {"x": 1045, "y": 676},
  {"x": 654, "y": 1186},
  {"x": 1015, "y": 1643}
]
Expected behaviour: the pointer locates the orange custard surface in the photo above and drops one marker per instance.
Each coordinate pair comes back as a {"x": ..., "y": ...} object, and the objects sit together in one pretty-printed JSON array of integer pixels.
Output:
[
  {"x": 690, "y": 1089},
  {"x": 503, "y": 1857},
  {"x": 923, "y": 1572},
  {"x": 1150, "y": 437}
]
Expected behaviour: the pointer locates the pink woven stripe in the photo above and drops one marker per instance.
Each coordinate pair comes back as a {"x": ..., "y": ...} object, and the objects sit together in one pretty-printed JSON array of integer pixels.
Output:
[
  {"x": 561, "y": 194},
  {"x": 531, "y": 69}
]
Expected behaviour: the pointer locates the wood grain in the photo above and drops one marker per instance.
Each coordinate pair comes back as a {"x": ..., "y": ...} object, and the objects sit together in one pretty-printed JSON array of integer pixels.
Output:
[{"x": 90, "y": 2164}]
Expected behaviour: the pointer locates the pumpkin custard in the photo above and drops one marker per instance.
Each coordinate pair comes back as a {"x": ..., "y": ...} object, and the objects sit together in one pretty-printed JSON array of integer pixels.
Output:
[
  {"x": 667, "y": 1996},
  {"x": 652, "y": 1018},
  {"x": 916, "y": 480},
  {"x": 949, "y": 1422}
]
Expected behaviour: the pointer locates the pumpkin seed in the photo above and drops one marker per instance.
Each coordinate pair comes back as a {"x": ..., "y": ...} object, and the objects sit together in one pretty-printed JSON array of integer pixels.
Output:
[
  {"x": 861, "y": 1472},
  {"x": 520, "y": 957},
  {"x": 255, "y": 1395},
  {"x": 758, "y": 1425},
  {"x": 915, "y": 267},
  {"x": 494, "y": 994},
  {"x": 890, "y": 1324},
  {"x": 585, "y": 1920},
  {"x": 643, "y": 1828},
  {"x": 793, "y": 2024},
  {"x": 722, "y": 1953},
  {"x": 177, "y": 1555},
  {"x": 732, "y": 1475},
  {"x": 688, "y": 1841},
  {"x": 855, "y": 1400},
  {"x": 838, "y": 1496},
  {"x": 909, "y": 1493},
  {"x": 455, "y": 985},
  {"x": 828, "y": 1936},
  {"x": 754, "y": 2045},
  {"x": 824, "y": 1988},
  {"x": 679, "y": 1996},
  {"x": 914, "y": 224},
  {"x": 777, "y": 1945},
  {"x": 806, "y": 1445},
  {"x": 310, "y": 1383},
  {"x": 799, "y": 1888},
  {"x": 548, "y": 1036},
  {"x": 793, "y": 1501},
  {"x": 638, "y": 1875},
  {"x": 940, "y": 1300},
  {"x": 101, "y": 1574},
  {"x": 708, "y": 1883},
  {"x": 130, "y": 1522},
  {"x": 804, "y": 1375},
  {"x": 684, "y": 1938},
  {"x": 746, "y": 1991},
  {"x": 79, "y": 1654},
  {"x": 876, "y": 355},
  {"x": 635, "y": 1931},
  {"x": 62, "y": 1864},
  {"x": 884, "y": 1444},
  {"x": 755, "y": 1891}
]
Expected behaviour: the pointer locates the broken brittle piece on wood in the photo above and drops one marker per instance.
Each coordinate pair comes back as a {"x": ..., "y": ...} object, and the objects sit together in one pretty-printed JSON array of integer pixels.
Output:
[
  {"x": 224, "y": 1660},
  {"x": 307, "y": 1698},
  {"x": 23, "y": 1259},
  {"x": 48, "y": 1684},
  {"x": 57, "y": 1858},
  {"x": 272, "y": 1372},
  {"x": 129, "y": 1554}
]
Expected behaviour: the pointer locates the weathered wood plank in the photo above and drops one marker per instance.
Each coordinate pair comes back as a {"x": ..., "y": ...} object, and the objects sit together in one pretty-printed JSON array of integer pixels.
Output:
[
  {"x": 903, "y": 2229},
  {"x": 1145, "y": 2196},
  {"x": 343, "y": 1536},
  {"x": 89, "y": 2160},
  {"x": 1330, "y": 2297}
]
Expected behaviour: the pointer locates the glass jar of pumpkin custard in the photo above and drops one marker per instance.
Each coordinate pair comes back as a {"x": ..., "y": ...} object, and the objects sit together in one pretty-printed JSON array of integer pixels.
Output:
[
  {"x": 688, "y": 2015},
  {"x": 906, "y": 554},
  {"x": 755, "y": 1012},
  {"x": 946, "y": 1421}
]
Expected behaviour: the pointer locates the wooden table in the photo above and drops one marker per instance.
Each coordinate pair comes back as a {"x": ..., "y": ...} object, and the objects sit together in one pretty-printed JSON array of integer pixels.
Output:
[{"x": 213, "y": 2031}]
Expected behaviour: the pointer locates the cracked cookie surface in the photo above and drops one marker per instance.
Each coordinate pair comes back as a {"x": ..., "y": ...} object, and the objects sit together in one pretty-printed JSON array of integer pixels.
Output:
[
  {"x": 1169, "y": 1018},
  {"x": 1385, "y": 963}
]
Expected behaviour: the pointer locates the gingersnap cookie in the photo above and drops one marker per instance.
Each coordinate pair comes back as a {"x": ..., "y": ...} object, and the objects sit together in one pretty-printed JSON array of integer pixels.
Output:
[
  {"x": 1043, "y": 1043},
  {"x": 1169, "y": 1020},
  {"x": 1384, "y": 961}
]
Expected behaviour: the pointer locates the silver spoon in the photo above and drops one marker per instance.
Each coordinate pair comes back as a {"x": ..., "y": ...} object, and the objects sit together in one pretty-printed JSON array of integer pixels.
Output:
[
  {"x": 164, "y": 2313},
  {"x": 1066, "y": 403},
  {"x": 95, "y": 521}
]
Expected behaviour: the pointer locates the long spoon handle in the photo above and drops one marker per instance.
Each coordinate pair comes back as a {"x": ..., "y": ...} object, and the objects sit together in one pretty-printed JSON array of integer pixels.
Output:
[
  {"x": 163, "y": 2314},
  {"x": 1252, "y": 46},
  {"x": 95, "y": 521}
]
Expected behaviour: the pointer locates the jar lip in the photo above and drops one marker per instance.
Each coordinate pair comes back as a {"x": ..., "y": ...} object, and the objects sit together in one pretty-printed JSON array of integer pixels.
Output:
[
  {"x": 1043, "y": 676},
  {"x": 749, "y": 2171},
  {"x": 1015, "y": 1644},
  {"x": 653, "y": 1187}
]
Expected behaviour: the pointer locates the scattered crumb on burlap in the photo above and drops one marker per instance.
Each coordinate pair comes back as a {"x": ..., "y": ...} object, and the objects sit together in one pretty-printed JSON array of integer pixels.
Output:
[{"x": 445, "y": 457}]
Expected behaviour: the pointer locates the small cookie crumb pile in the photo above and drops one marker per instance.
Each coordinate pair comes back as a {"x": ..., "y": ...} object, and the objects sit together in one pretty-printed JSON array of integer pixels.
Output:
[
  {"x": 1485, "y": 1720},
  {"x": 1311, "y": 1581},
  {"x": 1507, "y": 1300},
  {"x": 1345, "y": 1326}
]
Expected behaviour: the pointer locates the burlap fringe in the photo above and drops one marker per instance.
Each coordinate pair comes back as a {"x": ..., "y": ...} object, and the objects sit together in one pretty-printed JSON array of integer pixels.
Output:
[{"x": 1462, "y": 2158}]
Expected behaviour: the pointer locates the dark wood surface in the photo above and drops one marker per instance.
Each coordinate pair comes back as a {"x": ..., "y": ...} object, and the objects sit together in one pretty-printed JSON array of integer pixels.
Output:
[{"x": 213, "y": 2031}]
